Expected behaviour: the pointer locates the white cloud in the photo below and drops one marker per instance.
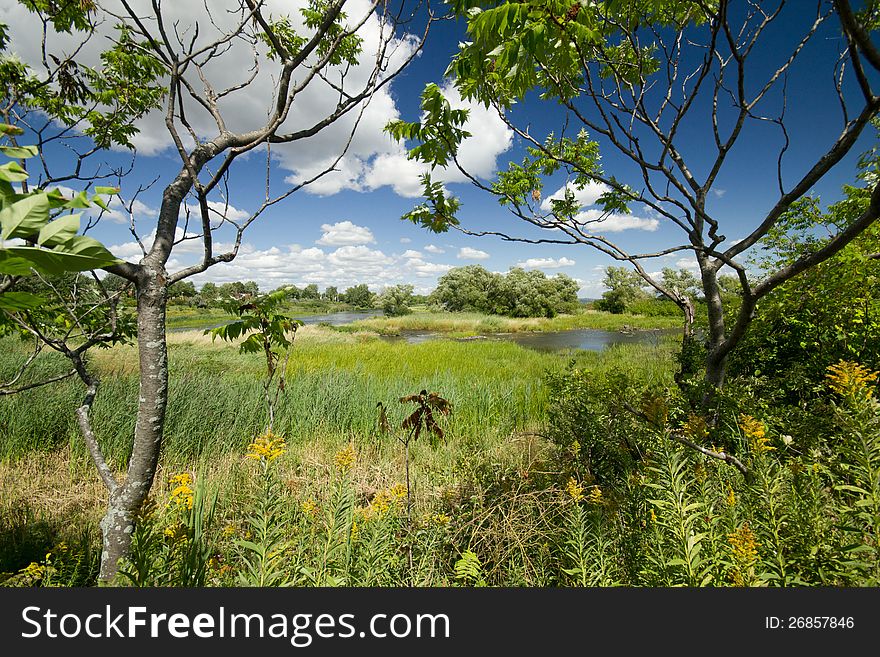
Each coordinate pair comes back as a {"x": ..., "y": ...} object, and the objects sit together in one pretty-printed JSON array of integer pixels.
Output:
[
  {"x": 615, "y": 223},
  {"x": 434, "y": 249},
  {"x": 247, "y": 108},
  {"x": 478, "y": 154},
  {"x": 546, "y": 263},
  {"x": 719, "y": 192},
  {"x": 687, "y": 263},
  {"x": 467, "y": 253},
  {"x": 601, "y": 222},
  {"x": 405, "y": 240},
  {"x": 586, "y": 196},
  {"x": 411, "y": 253},
  {"x": 345, "y": 233}
]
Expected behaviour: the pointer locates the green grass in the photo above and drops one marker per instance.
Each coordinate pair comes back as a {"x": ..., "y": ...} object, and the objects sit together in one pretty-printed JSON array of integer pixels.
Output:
[
  {"x": 186, "y": 317},
  {"x": 334, "y": 382},
  {"x": 463, "y": 324}
]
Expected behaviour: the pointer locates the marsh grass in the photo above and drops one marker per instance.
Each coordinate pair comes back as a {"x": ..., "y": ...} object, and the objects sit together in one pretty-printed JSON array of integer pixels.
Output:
[
  {"x": 51, "y": 496},
  {"x": 463, "y": 324},
  {"x": 333, "y": 383}
]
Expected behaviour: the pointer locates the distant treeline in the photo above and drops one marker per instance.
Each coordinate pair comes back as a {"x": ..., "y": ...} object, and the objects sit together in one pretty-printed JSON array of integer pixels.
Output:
[{"x": 518, "y": 293}]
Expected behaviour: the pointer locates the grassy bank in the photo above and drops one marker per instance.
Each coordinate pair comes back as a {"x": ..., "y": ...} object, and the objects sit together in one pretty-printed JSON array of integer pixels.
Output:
[
  {"x": 334, "y": 382},
  {"x": 184, "y": 317},
  {"x": 51, "y": 496},
  {"x": 465, "y": 324}
]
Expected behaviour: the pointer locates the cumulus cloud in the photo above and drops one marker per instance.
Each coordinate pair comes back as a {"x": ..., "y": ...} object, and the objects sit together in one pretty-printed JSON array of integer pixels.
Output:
[
  {"x": 586, "y": 196},
  {"x": 294, "y": 264},
  {"x": 434, "y": 249},
  {"x": 478, "y": 154},
  {"x": 467, "y": 253},
  {"x": 246, "y": 108},
  {"x": 345, "y": 233},
  {"x": 615, "y": 223},
  {"x": 546, "y": 263}
]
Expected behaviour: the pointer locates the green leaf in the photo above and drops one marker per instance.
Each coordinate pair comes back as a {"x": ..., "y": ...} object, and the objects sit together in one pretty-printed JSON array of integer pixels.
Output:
[
  {"x": 79, "y": 202},
  {"x": 59, "y": 231},
  {"x": 19, "y": 152},
  {"x": 108, "y": 191},
  {"x": 7, "y": 129},
  {"x": 13, "y": 265},
  {"x": 13, "y": 172},
  {"x": 14, "y": 301},
  {"x": 24, "y": 218}
]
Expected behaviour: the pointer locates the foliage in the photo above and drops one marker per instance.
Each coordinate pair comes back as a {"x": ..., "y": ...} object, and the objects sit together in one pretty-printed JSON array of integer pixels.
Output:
[
  {"x": 828, "y": 313},
  {"x": 396, "y": 300},
  {"x": 359, "y": 296},
  {"x": 267, "y": 331},
  {"x": 519, "y": 293},
  {"x": 47, "y": 229},
  {"x": 624, "y": 288}
]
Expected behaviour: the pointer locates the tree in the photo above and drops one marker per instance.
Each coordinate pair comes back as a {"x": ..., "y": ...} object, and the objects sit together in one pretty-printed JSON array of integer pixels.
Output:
[
  {"x": 828, "y": 314},
  {"x": 639, "y": 78},
  {"x": 155, "y": 63},
  {"x": 310, "y": 291},
  {"x": 359, "y": 296},
  {"x": 182, "y": 290},
  {"x": 522, "y": 293},
  {"x": 519, "y": 293},
  {"x": 331, "y": 293},
  {"x": 466, "y": 289},
  {"x": 624, "y": 287},
  {"x": 395, "y": 300}
]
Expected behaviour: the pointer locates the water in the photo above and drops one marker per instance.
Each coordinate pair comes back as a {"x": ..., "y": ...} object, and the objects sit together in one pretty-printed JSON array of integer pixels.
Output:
[
  {"x": 589, "y": 339},
  {"x": 337, "y": 319}
]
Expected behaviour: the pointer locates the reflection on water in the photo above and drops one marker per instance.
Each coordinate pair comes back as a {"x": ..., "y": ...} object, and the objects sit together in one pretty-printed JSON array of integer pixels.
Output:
[
  {"x": 337, "y": 319},
  {"x": 589, "y": 339}
]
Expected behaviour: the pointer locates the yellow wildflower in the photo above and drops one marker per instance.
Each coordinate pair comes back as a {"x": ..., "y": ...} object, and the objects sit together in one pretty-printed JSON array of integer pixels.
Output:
[
  {"x": 345, "y": 459},
  {"x": 399, "y": 491},
  {"x": 34, "y": 571},
  {"x": 653, "y": 516},
  {"x": 655, "y": 409},
  {"x": 355, "y": 531},
  {"x": 744, "y": 546},
  {"x": 695, "y": 427},
  {"x": 440, "y": 519},
  {"x": 731, "y": 498},
  {"x": 175, "y": 532},
  {"x": 229, "y": 530},
  {"x": 756, "y": 432},
  {"x": 380, "y": 504},
  {"x": 595, "y": 496},
  {"x": 309, "y": 507},
  {"x": 574, "y": 489},
  {"x": 851, "y": 379},
  {"x": 182, "y": 492},
  {"x": 267, "y": 447}
]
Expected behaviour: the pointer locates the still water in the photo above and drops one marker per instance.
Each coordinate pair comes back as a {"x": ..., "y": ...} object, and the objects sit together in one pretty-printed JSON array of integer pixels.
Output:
[{"x": 589, "y": 339}]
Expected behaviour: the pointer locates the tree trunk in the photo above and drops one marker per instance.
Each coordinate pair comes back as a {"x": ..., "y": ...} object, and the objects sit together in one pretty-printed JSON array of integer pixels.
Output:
[{"x": 118, "y": 523}]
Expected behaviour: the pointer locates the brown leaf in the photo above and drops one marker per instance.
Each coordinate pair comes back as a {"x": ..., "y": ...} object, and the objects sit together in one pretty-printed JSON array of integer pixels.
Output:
[{"x": 413, "y": 420}]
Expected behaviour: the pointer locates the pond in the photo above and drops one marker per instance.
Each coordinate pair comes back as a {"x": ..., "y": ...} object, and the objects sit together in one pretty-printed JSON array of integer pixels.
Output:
[{"x": 589, "y": 339}]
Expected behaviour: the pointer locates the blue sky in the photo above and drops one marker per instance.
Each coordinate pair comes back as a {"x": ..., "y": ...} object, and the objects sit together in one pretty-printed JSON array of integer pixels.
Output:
[{"x": 346, "y": 229}]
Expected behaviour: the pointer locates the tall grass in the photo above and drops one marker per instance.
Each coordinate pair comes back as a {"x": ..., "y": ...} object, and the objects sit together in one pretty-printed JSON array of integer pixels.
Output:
[
  {"x": 478, "y": 323},
  {"x": 333, "y": 385}
]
